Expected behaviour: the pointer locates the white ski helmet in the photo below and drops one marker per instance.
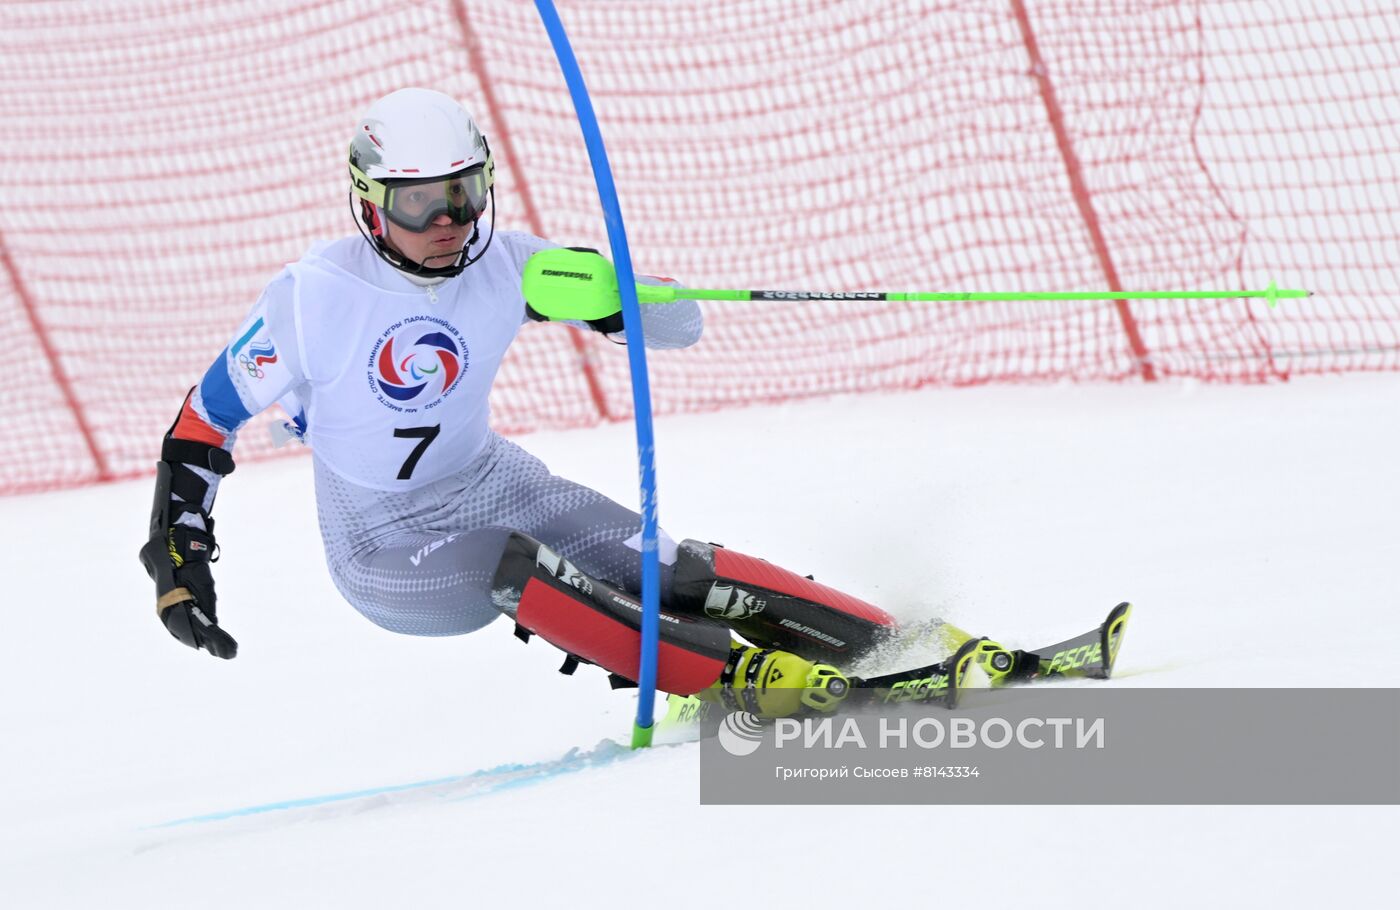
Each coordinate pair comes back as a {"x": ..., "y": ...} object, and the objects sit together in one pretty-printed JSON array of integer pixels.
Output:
[{"x": 417, "y": 154}]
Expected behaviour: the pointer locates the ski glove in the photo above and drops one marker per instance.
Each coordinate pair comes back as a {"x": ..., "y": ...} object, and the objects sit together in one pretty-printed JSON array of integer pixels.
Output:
[{"x": 608, "y": 324}]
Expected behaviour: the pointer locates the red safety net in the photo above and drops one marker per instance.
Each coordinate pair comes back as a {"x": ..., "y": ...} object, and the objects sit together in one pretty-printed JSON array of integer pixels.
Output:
[{"x": 164, "y": 158}]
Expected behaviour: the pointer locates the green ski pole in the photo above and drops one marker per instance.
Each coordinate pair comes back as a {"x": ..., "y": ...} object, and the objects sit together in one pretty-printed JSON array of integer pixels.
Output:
[{"x": 581, "y": 284}]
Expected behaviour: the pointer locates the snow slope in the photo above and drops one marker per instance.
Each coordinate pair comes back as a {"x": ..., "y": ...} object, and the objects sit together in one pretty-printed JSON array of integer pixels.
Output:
[{"x": 1248, "y": 525}]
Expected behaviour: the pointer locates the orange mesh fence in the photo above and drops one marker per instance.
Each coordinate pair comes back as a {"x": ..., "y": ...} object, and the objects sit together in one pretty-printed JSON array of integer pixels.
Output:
[{"x": 164, "y": 159}]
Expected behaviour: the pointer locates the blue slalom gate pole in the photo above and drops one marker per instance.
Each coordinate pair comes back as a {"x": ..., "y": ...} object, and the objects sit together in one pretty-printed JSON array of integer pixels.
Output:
[{"x": 637, "y": 363}]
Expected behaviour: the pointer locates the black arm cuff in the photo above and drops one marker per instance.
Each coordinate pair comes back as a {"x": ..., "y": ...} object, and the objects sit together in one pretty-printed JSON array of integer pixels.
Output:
[{"x": 199, "y": 454}]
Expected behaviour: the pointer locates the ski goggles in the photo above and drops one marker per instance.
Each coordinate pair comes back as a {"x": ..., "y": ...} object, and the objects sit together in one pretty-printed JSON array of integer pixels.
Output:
[{"x": 415, "y": 203}]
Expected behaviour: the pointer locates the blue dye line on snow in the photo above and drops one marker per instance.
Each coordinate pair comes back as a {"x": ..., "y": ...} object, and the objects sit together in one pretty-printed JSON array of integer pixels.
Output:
[{"x": 480, "y": 783}]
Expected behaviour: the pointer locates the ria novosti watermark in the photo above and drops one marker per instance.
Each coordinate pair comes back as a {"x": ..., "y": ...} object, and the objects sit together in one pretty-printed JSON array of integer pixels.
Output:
[
  {"x": 1071, "y": 745},
  {"x": 935, "y": 732}
]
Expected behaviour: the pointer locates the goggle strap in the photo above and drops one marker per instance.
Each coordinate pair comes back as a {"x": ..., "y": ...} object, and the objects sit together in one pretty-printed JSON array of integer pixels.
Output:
[{"x": 366, "y": 187}]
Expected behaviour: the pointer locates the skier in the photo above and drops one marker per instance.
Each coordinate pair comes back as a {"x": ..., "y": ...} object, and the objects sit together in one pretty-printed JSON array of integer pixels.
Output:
[{"x": 383, "y": 348}]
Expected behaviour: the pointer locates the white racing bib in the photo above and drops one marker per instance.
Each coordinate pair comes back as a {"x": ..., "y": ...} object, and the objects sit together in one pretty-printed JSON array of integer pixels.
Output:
[{"x": 396, "y": 377}]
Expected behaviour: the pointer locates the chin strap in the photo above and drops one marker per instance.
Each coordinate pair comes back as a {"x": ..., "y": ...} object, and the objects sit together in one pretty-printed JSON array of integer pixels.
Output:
[{"x": 403, "y": 264}]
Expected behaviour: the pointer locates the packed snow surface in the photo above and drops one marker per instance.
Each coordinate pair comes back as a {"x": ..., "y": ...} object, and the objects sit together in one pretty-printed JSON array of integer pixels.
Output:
[{"x": 333, "y": 764}]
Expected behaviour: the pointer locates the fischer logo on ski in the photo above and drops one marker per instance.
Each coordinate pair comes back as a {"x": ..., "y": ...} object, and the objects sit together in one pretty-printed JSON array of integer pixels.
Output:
[
  {"x": 1074, "y": 658},
  {"x": 910, "y": 690}
]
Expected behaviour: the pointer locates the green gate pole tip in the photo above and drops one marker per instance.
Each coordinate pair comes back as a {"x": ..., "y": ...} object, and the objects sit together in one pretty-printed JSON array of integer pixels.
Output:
[{"x": 641, "y": 736}]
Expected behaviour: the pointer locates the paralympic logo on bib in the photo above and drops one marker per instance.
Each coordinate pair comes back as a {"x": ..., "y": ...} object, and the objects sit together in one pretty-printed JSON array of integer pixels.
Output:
[{"x": 416, "y": 363}]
